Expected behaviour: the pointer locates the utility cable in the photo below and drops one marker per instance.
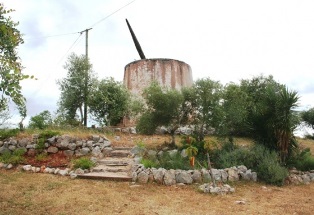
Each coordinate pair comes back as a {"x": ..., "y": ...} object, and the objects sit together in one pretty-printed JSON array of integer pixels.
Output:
[{"x": 112, "y": 13}]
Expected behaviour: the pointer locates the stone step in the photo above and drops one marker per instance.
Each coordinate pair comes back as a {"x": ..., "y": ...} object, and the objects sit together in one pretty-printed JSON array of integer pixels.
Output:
[
  {"x": 121, "y": 176},
  {"x": 119, "y": 153},
  {"x": 105, "y": 168},
  {"x": 122, "y": 148},
  {"x": 115, "y": 162}
]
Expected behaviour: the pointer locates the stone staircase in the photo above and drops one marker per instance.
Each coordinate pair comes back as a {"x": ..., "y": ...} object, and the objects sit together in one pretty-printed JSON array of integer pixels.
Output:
[{"x": 116, "y": 165}]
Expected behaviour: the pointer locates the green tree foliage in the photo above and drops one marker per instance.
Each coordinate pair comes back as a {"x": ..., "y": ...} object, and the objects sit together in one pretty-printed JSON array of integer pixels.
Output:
[
  {"x": 308, "y": 117},
  {"x": 10, "y": 66},
  {"x": 235, "y": 111},
  {"x": 73, "y": 88},
  {"x": 271, "y": 115},
  {"x": 109, "y": 102},
  {"x": 165, "y": 107},
  {"x": 207, "y": 110},
  {"x": 41, "y": 121}
]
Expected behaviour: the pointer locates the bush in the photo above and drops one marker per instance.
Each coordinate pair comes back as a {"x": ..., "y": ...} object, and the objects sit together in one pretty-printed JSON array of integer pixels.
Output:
[
  {"x": 83, "y": 163},
  {"x": 302, "y": 160},
  {"x": 258, "y": 158},
  {"x": 6, "y": 133},
  {"x": 13, "y": 158},
  {"x": 149, "y": 163},
  {"x": 173, "y": 162}
]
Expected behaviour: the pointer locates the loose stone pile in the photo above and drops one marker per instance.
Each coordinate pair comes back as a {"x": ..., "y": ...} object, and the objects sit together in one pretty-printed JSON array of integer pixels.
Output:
[{"x": 299, "y": 177}]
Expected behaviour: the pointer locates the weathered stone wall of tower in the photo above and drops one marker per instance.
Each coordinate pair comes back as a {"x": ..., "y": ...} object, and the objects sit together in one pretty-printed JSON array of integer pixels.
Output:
[{"x": 167, "y": 72}]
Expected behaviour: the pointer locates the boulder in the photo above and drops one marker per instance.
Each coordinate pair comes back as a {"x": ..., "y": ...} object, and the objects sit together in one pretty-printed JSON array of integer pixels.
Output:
[
  {"x": 205, "y": 175},
  {"x": 72, "y": 146},
  {"x": 51, "y": 140},
  {"x": 68, "y": 153},
  {"x": 12, "y": 148},
  {"x": 4, "y": 150},
  {"x": 196, "y": 176},
  {"x": 23, "y": 142},
  {"x": 52, "y": 149},
  {"x": 183, "y": 153},
  {"x": 142, "y": 177},
  {"x": 63, "y": 172},
  {"x": 89, "y": 143},
  {"x": 232, "y": 174},
  {"x": 173, "y": 152},
  {"x": 170, "y": 177},
  {"x": 95, "y": 138},
  {"x": 85, "y": 151},
  {"x": 158, "y": 175},
  {"x": 13, "y": 142},
  {"x": 184, "y": 177},
  {"x": 97, "y": 152},
  {"x": 27, "y": 167}
]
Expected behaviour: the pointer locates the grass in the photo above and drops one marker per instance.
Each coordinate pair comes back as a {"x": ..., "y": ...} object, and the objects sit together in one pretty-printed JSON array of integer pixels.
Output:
[{"x": 27, "y": 193}]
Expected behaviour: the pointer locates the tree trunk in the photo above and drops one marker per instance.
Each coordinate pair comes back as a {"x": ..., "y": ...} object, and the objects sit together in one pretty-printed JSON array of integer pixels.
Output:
[{"x": 210, "y": 168}]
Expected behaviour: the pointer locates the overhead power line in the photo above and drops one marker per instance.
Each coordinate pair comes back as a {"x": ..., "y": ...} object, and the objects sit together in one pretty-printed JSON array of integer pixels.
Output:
[{"x": 112, "y": 13}]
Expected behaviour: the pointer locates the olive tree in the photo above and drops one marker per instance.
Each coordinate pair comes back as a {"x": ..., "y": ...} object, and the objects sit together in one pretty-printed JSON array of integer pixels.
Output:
[
  {"x": 73, "y": 87},
  {"x": 108, "y": 102},
  {"x": 165, "y": 107},
  {"x": 10, "y": 65}
]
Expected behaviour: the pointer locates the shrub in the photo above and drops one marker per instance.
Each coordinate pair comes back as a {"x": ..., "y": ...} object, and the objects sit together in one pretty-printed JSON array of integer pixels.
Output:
[
  {"x": 302, "y": 160},
  {"x": 258, "y": 158},
  {"x": 149, "y": 163},
  {"x": 83, "y": 163},
  {"x": 173, "y": 162},
  {"x": 13, "y": 158},
  {"x": 6, "y": 133},
  {"x": 41, "y": 156}
]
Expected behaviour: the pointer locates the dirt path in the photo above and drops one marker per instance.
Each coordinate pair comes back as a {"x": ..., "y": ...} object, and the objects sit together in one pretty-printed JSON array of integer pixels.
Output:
[{"x": 27, "y": 193}]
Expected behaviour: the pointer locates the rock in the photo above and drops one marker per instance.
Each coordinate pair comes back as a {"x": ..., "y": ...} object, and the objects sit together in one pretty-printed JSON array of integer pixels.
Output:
[
  {"x": 206, "y": 176},
  {"x": 63, "y": 144},
  {"x": 196, "y": 176},
  {"x": 2, "y": 165},
  {"x": 134, "y": 176},
  {"x": 89, "y": 143},
  {"x": 173, "y": 152},
  {"x": 183, "y": 153},
  {"x": 311, "y": 176},
  {"x": 133, "y": 130},
  {"x": 232, "y": 174},
  {"x": 13, "y": 142},
  {"x": 170, "y": 177},
  {"x": 47, "y": 170},
  {"x": 216, "y": 174},
  {"x": 107, "y": 151},
  {"x": 79, "y": 143},
  {"x": 158, "y": 175},
  {"x": 72, "y": 146},
  {"x": 125, "y": 130},
  {"x": 152, "y": 153},
  {"x": 184, "y": 177},
  {"x": 106, "y": 143},
  {"x": 23, "y": 142},
  {"x": 160, "y": 154},
  {"x": 4, "y": 150},
  {"x": 31, "y": 146},
  {"x": 27, "y": 167},
  {"x": 9, "y": 166},
  {"x": 95, "y": 138},
  {"x": 306, "y": 178},
  {"x": 79, "y": 171},
  {"x": 85, "y": 151},
  {"x": 73, "y": 175},
  {"x": 63, "y": 172},
  {"x": 242, "y": 168},
  {"x": 137, "y": 160},
  {"x": 35, "y": 169},
  {"x": 240, "y": 202},
  {"x": 52, "y": 149},
  {"x": 254, "y": 176},
  {"x": 57, "y": 170},
  {"x": 12, "y": 148},
  {"x": 68, "y": 153},
  {"x": 224, "y": 175},
  {"x": 51, "y": 140},
  {"x": 142, "y": 177},
  {"x": 117, "y": 138},
  {"x": 97, "y": 152},
  {"x": 246, "y": 175},
  {"x": 137, "y": 150}
]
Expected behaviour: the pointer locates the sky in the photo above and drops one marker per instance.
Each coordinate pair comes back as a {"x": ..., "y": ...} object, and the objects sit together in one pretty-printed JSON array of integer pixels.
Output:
[{"x": 226, "y": 40}]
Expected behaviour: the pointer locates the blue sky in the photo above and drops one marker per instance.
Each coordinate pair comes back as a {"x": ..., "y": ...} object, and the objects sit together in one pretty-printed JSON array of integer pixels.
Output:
[{"x": 225, "y": 40}]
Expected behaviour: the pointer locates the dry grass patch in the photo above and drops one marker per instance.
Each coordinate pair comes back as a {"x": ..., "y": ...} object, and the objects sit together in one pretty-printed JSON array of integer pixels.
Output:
[{"x": 27, "y": 193}]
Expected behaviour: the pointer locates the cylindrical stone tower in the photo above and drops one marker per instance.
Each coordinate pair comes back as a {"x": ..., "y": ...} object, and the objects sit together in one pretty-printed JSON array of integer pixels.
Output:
[{"x": 167, "y": 72}]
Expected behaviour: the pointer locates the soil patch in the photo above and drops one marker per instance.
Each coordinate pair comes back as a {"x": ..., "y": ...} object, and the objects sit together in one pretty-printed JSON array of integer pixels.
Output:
[{"x": 50, "y": 160}]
